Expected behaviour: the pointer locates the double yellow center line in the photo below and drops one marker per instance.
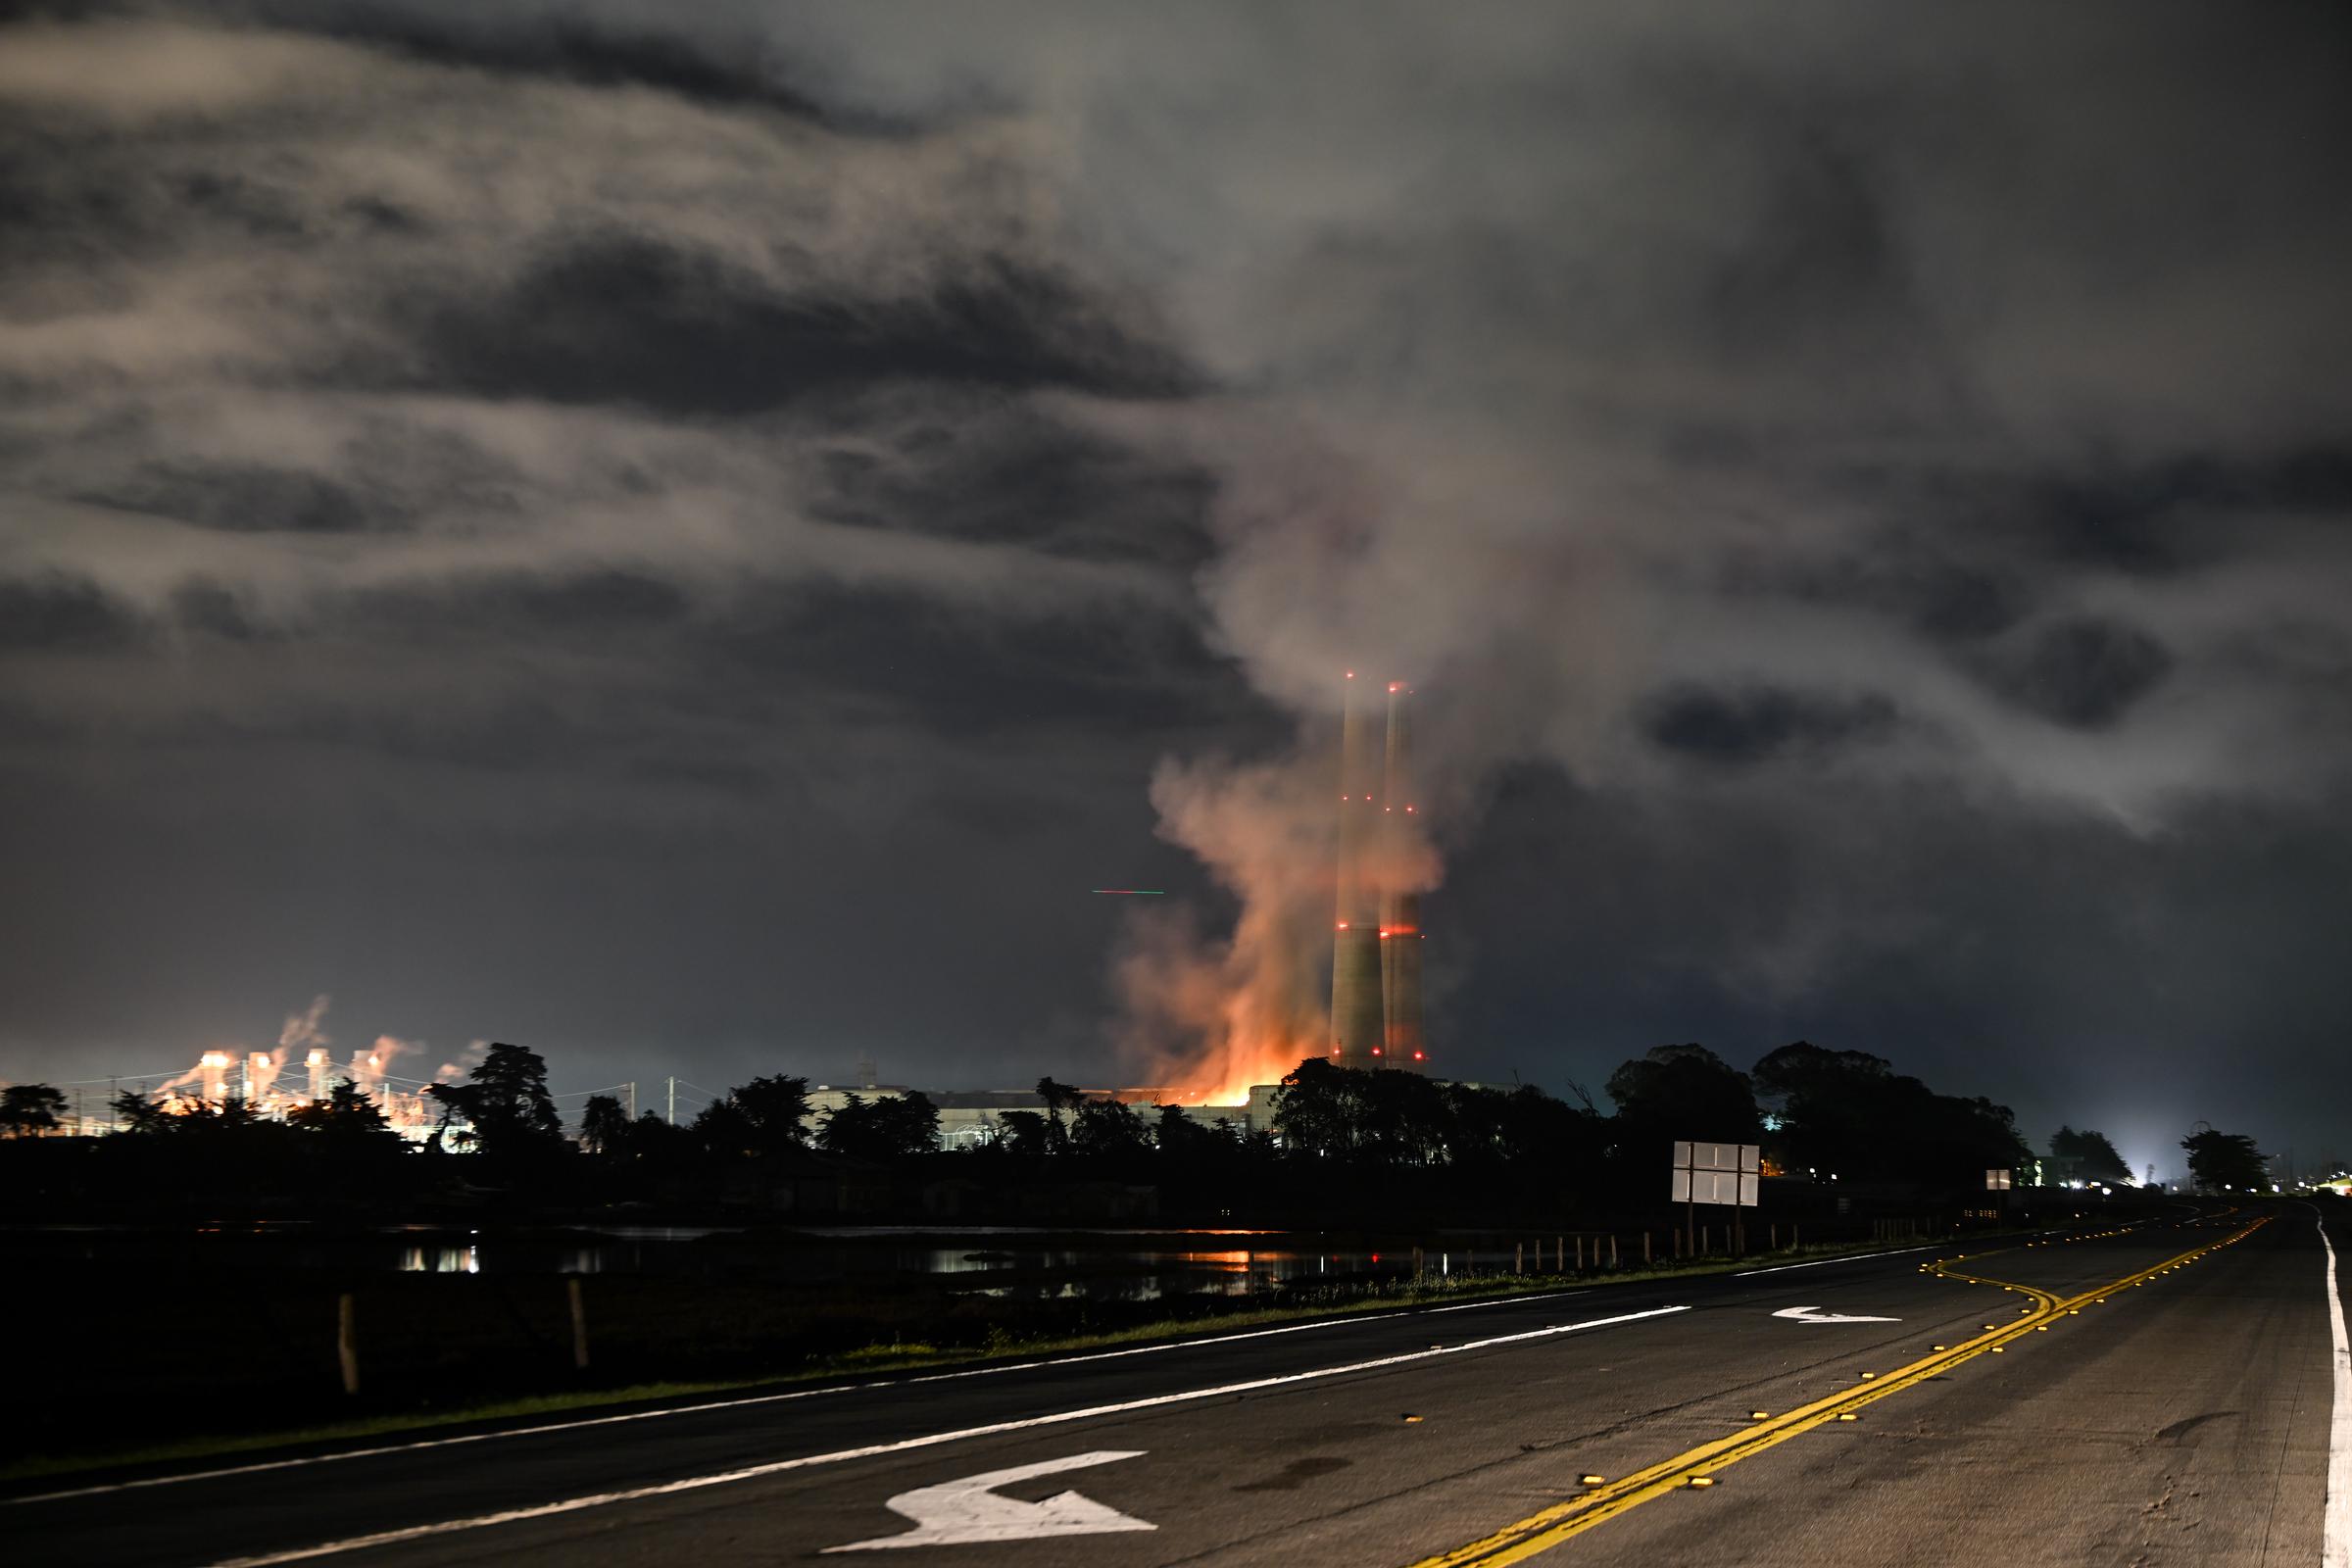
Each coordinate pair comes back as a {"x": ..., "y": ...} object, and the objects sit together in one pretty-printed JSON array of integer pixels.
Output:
[{"x": 1606, "y": 1500}]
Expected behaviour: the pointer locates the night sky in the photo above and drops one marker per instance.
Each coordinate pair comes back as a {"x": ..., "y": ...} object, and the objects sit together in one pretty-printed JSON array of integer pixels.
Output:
[{"x": 690, "y": 537}]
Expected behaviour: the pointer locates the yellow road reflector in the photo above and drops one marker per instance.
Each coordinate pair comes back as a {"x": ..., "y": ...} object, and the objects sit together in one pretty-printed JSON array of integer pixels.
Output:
[
  {"x": 1867, "y": 1376},
  {"x": 1591, "y": 1481},
  {"x": 1847, "y": 1415},
  {"x": 1411, "y": 1418},
  {"x": 1758, "y": 1415},
  {"x": 1702, "y": 1481},
  {"x": 1935, "y": 1346}
]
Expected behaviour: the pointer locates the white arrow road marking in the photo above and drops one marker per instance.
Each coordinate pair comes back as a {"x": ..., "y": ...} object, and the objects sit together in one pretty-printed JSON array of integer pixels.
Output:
[
  {"x": 958, "y": 1512},
  {"x": 1807, "y": 1314}
]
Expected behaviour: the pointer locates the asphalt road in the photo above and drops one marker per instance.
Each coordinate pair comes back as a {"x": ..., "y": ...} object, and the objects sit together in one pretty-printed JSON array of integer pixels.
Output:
[{"x": 2080, "y": 1410}]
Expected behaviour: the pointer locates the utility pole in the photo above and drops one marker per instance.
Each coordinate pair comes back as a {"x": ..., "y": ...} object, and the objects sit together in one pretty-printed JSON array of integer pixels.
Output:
[
  {"x": 673, "y": 1101},
  {"x": 632, "y": 1088}
]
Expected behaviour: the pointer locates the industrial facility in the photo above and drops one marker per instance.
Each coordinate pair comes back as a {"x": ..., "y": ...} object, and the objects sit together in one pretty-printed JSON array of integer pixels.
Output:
[
  {"x": 1376, "y": 949},
  {"x": 1376, "y": 1020}
]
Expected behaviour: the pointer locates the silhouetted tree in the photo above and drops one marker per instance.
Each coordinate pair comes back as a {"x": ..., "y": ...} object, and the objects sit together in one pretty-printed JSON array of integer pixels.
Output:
[
  {"x": 1681, "y": 1092},
  {"x": 346, "y": 1115},
  {"x": 657, "y": 1146},
  {"x": 1402, "y": 1120},
  {"x": 2089, "y": 1156},
  {"x": 135, "y": 1112},
  {"x": 1106, "y": 1128},
  {"x": 889, "y": 1129},
  {"x": 27, "y": 1111},
  {"x": 1025, "y": 1132},
  {"x": 1849, "y": 1113},
  {"x": 775, "y": 1107},
  {"x": 1178, "y": 1136},
  {"x": 505, "y": 1099},
  {"x": 1059, "y": 1099},
  {"x": 724, "y": 1131},
  {"x": 604, "y": 1125},
  {"x": 2220, "y": 1161},
  {"x": 1319, "y": 1112}
]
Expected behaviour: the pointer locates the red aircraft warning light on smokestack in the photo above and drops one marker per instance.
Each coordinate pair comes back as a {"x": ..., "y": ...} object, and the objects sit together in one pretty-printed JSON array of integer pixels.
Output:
[{"x": 1375, "y": 943}]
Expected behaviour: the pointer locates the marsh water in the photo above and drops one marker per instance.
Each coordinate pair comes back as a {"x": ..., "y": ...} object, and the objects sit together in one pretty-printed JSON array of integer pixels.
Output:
[{"x": 1010, "y": 1260}]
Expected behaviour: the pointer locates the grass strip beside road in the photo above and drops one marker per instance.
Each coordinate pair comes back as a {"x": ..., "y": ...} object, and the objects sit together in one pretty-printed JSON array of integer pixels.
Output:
[
  {"x": 885, "y": 1359},
  {"x": 1542, "y": 1531}
]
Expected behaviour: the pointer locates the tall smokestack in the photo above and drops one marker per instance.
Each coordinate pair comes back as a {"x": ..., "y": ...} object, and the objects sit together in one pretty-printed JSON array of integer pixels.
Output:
[
  {"x": 1400, "y": 908},
  {"x": 1358, "y": 1027},
  {"x": 368, "y": 1071},
  {"x": 317, "y": 1062}
]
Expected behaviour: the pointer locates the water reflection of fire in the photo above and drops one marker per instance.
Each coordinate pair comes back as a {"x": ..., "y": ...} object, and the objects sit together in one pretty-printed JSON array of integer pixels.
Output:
[{"x": 1222, "y": 1262}]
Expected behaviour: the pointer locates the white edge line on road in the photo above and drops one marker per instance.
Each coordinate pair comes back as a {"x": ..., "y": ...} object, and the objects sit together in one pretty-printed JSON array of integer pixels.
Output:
[
  {"x": 2335, "y": 1549},
  {"x": 262, "y": 1466},
  {"x": 1852, "y": 1258},
  {"x": 386, "y": 1537}
]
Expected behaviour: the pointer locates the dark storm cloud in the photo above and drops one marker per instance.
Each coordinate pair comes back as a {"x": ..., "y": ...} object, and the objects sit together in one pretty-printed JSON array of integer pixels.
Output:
[
  {"x": 1740, "y": 728},
  {"x": 621, "y": 319},
  {"x": 247, "y": 498},
  {"x": 735, "y": 68},
  {"x": 2161, "y": 518},
  {"x": 532, "y": 605},
  {"x": 57, "y": 612},
  {"x": 1030, "y": 480},
  {"x": 208, "y": 608},
  {"x": 2084, "y": 672},
  {"x": 1910, "y": 580}
]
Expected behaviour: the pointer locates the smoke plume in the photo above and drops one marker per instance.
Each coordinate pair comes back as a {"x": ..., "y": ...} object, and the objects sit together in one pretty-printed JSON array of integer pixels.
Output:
[{"x": 1224, "y": 1013}]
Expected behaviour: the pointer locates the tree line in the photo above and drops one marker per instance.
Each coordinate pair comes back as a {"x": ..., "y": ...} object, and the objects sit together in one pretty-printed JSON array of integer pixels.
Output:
[{"x": 1826, "y": 1114}]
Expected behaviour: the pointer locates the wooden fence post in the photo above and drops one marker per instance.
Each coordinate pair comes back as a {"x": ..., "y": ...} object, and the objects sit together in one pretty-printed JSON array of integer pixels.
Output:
[
  {"x": 347, "y": 1341},
  {"x": 1612, "y": 1249},
  {"x": 1519, "y": 1258},
  {"x": 579, "y": 1323}
]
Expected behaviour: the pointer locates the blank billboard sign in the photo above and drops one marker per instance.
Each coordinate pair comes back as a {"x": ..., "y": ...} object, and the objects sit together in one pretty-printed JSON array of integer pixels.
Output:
[{"x": 1716, "y": 1173}]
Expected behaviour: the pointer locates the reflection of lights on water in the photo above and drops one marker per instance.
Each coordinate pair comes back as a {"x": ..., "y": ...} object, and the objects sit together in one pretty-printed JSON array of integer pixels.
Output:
[
  {"x": 1222, "y": 1262},
  {"x": 440, "y": 1260}
]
